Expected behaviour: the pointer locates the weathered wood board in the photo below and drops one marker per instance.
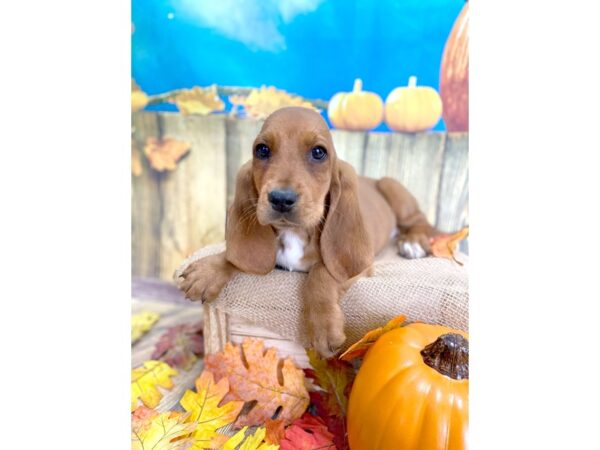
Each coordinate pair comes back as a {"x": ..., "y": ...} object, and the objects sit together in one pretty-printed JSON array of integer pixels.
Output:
[{"x": 175, "y": 213}]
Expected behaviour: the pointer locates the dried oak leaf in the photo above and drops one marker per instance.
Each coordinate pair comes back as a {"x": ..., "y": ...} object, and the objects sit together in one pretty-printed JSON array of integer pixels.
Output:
[
  {"x": 199, "y": 100},
  {"x": 141, "y": 323},
  {"x": 144, "y": 382},
  {"x": 260, "y": 103},
  {"x": 445, "y": 245},
  {"x": 139, "y": 99},
  {"x": 164, "y": 431},
  {"x": 164, "y": 154},
  {"x": 256, "y": 375},
  {"x": 252, "y": 442},
  {"x": 274, "y": 431},
  {"x": 307, "y": 433},
  {"x": 203, "y": 406},
  {"x": 359, "y": 348},
  {"x": 180, "y": 346}
]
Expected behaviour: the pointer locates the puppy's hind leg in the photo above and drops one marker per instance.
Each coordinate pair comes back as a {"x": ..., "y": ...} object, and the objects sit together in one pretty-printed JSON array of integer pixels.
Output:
[{"x": 414, "y": 229}]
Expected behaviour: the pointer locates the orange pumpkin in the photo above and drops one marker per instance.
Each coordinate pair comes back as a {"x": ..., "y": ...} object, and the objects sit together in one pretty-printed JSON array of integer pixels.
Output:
[
  {"x": 412, "y": 391},
  {"x": 413, "y": 108},
  {"x": 356, "y": 110},
  {"x": 454, "y": 74}
]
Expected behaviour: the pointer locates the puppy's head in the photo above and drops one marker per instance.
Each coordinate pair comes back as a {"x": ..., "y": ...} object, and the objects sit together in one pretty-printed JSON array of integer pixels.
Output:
[{"x": 293, "y": 160}]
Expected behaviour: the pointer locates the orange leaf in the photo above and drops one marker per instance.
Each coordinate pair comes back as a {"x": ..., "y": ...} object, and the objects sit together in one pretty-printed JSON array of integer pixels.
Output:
[
  {"x": 256, "y": 375},
  {"x": 359, "y": 348},
  {"x": 199, "y": 100},
  {"x": 164, "y": 154},
  {"x": 444, "y": 245},
  {"x": 275, "y": 431}
]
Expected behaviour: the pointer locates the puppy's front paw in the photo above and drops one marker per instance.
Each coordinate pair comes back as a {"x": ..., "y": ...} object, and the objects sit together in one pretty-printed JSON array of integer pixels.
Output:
[
  {"x": 414, "y": 246},
  {"x": 204, "y": 279},
  {"x": 326, "y": 332}
]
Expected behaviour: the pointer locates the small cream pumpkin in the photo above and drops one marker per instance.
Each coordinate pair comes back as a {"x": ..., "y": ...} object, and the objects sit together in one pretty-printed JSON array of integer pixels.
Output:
[
  {"x": 413, "y": 108},
  {"x": 356, "y": 110}
]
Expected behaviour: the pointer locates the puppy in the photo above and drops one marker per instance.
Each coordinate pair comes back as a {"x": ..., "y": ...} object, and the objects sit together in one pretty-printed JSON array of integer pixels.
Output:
[{"x": 298, "y": 207}]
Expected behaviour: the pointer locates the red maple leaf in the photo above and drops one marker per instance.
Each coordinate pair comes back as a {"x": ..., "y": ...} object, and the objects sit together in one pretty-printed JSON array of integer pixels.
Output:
[
  {"x": 307, "y": 433},
  {"x": 180, "y": 346}
]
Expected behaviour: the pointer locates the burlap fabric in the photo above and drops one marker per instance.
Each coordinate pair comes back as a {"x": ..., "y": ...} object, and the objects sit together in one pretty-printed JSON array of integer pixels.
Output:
[{"x": 432, "y": 290}]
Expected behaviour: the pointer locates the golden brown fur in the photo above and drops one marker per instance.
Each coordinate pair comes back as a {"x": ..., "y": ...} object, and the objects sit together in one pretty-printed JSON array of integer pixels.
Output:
[{"x": 343, "y": 220}]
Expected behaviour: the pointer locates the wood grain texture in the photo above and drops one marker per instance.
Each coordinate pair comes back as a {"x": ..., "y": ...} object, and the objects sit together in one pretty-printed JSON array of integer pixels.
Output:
[
  {"x": 145, "y": 204},
  {"x": 193, "y": 196},
  {"x": 453, "y": 199},
  {"x": 216, "y": 329},
  {"x": 413, "y": 159},
  {"x": 350, "y": 147},
  {"x": 239, "y": 139}
]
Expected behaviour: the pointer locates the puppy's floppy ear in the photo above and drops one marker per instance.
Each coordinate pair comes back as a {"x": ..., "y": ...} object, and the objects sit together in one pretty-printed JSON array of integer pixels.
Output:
[
  {"x": 346, "y": 247},
  {"x": 251, "y": 247}
]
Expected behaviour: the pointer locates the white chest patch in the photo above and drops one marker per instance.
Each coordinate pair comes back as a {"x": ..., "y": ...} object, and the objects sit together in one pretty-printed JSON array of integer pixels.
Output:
[{"x": 291, "y": 252}]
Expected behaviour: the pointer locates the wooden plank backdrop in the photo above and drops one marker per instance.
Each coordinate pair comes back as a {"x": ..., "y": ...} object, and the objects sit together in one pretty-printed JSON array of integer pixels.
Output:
[{"x": 175, "y": 213}]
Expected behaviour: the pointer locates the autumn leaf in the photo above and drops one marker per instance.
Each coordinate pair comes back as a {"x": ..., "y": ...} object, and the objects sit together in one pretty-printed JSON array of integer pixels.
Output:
[
  {"x": 334, "y": 379},
  {"x": 203, "y": 406},
  {"x": 164, "y": 154},
  {"x": 256, "y": 375},
  {"x": 180, "y": 346},
  {"x": 144, "y": 382},
  {"x": 139, "y": 99},
  {"x": 307, "y": 433},
  {"x": 164, "y": 431},
  {"x": 359, "y": 348},
  {"x": 445, "y": 245},
  {"x": 141, "y": 323},
  {"x": 199, "y": 100},
  {"x": 252, "y": 442},
  {"x": 260, "y": 103},
  {"x": 274, "y": 431}
]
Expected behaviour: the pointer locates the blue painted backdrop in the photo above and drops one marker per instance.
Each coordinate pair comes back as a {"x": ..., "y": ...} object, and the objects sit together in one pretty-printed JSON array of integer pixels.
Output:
[{"x": 313, "y": 48}]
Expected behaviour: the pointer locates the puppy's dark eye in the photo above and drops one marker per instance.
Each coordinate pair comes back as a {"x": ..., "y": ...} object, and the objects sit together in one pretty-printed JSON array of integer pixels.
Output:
[
  {"x": 318, "y": 153},
  {"x": 262, "y": 151}
]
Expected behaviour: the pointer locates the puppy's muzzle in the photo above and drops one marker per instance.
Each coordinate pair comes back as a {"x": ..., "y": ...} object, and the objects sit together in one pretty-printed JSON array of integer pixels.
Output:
[{"x": 283, "y": 200}]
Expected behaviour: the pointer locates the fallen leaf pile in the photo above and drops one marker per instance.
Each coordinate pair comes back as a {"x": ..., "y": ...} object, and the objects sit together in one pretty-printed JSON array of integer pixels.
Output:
[
  {"x": 145, "y": 381},
  {"x": 163, "y": 154},
  {"x": 258, "y": 375},
  {"x": 180, "y": 346},
  {"x": 260, "y": 103},
  {"x": 199, "y": 100},
  {"x": 445, "y": 245},
  {"x": 141, "y": 323}
]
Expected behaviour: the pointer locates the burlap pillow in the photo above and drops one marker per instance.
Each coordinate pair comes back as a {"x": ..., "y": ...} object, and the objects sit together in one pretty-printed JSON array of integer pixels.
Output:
[{"x": 432, "y": 290}]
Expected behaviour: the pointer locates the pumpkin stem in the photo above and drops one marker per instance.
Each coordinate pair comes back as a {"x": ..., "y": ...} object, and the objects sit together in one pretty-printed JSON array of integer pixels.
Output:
[
  {"x": 449, "y": 355},
  {"x": 357, "y": 85},
  {"x": 412, "y": 81}
]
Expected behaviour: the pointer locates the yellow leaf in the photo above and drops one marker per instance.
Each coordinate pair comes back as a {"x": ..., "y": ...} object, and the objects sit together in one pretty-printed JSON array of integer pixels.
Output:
[
  {"x": 163, "y": 154},
  {"x": 359, "y": 348},
  {"x": 141, "y": 323},
  {"x": 445, "y": 245},
  {"x": 203, "y": 406},
  {"x": 260, "y": 103},
  {"x": 165, "y": 431},
  {"x": 139, "y": 99},
  {"x": 199, "y": 100},
  {"x": 235, "y": 440},
  {"x": 145, "y": 379}
]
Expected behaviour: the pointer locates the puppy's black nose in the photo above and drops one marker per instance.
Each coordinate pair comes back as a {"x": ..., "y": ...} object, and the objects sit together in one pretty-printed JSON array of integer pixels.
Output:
[{"x": 283, "y": 200}]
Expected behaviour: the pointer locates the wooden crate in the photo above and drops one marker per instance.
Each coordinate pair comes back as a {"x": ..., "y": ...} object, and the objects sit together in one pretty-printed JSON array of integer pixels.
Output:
[{"x": 175, "y": 213}]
